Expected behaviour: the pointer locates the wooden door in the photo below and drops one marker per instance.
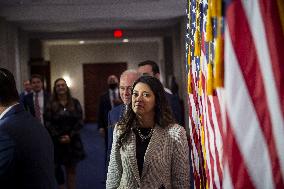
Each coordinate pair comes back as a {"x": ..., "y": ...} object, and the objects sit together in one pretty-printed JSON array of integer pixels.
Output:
[{"x": 95, "y": 84}]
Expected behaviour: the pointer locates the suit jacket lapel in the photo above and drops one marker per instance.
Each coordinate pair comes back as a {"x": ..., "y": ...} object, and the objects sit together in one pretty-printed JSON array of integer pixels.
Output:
[
  {"x": 17, "y": 108},
  {"x": 121, "y": 111},
  {"x": 32, "y": 105},
  {"x": 131, "y": 152},
  {"x": 153, "y": 146},
  {"x": 45, "y": 98}
]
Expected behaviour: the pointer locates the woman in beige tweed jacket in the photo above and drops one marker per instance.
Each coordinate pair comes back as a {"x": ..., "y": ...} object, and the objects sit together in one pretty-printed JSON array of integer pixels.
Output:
[{"x": 165, "y": 155}]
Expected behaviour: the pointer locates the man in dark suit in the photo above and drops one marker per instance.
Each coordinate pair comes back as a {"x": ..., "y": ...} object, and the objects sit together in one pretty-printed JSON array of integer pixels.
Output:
[
  {"x": 151, "y": 68},
  {"x": 127, "y": 79},
  {"x": 26, "y": 149},
  {"x": 27, "y": 89},
  {"x": 107, "y": 101},
  {"x": 36, "y": 101}
]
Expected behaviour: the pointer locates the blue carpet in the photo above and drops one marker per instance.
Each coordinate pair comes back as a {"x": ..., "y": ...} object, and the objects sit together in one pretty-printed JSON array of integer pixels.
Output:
[{"x": 91, "y": 171}]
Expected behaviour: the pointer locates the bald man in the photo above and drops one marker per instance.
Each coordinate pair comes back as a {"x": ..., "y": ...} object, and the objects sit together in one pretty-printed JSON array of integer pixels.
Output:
[{"x": 127, "y": 79}]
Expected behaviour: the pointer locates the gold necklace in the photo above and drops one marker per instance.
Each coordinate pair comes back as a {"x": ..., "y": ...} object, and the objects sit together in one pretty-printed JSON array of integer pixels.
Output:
[{"x": 143, "y": 137}]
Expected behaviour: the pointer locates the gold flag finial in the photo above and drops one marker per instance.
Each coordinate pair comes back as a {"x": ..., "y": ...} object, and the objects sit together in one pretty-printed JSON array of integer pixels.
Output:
[
  {"x": 218, "y": 59},
  {"x": 197, "y": 43},
  {"x": 188, "y": 58},
  {"x": 209, "y": 33},
  {"x": 219, "y": 64},
  {"x": 189, "y": 87}
]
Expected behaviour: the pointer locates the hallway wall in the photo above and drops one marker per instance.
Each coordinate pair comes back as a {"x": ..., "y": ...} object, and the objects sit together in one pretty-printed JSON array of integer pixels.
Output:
[
  {"x": 14, "y": 51},
  {"x": 8, "y": 49},
  {"x": 67, "y": 60}
]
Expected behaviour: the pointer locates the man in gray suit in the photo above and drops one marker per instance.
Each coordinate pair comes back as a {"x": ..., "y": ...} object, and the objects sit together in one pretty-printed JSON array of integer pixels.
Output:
[{"x": 26, "y": 149}]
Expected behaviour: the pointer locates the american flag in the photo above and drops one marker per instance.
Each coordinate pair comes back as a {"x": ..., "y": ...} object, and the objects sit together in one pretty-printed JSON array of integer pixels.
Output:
[
  {"x": 204, "y": 110},
  {"x": 237, "y": 133}
]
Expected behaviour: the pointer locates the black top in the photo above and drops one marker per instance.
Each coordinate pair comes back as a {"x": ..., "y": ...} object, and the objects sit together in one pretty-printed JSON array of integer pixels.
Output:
[
  {"x": 66, "y": 122},
  {"x": 141, "y": 147}
]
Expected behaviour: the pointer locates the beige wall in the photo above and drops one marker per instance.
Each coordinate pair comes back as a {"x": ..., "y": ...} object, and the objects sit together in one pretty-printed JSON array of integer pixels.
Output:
[
  {"x": 24, "y": 57},
  {"x": 12, "y": 51},
  {"x": 68, "y": 59}
]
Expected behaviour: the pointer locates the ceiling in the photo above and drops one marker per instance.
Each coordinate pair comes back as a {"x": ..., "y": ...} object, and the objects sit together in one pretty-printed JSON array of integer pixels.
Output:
[{"x": 89, "y": 15}]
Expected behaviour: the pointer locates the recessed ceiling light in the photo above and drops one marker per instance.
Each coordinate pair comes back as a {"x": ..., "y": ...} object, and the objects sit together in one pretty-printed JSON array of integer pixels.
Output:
[{"x": 125, "y": 40}]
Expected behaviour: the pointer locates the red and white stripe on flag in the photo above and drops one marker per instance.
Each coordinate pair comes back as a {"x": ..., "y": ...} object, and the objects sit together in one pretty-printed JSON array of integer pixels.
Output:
[
  {"x": 205, "y": 119},
  {"x": 212, "y": 130},
  {"x": 254, "y": 95}
]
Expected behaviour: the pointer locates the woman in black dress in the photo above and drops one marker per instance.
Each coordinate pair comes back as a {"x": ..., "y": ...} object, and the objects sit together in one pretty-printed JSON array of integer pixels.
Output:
[{"x": 63, "y": 119}]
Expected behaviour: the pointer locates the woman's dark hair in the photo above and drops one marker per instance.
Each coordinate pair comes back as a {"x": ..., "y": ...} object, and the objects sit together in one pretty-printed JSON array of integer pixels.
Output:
[
  {"x": 55, "y": 104},
  {"x": 8, "y": 89},
  {"x": 163, "y": 115}
]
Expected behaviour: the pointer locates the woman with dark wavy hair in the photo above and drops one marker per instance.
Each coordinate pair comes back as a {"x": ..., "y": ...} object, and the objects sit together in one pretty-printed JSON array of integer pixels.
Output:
[
  {"x": 63, "y": 117},
  {"x": 149, "y": 149}
]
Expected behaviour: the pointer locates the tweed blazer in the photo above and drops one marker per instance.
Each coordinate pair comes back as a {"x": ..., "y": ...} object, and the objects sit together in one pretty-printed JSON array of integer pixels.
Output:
[{"x": 166, "y": 161}]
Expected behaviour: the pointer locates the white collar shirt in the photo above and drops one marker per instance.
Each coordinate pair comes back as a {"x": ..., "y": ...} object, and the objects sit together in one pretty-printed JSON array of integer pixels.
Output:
[
  {"x": 111, "y": 97},
  {"x": 7, "y": 110}
]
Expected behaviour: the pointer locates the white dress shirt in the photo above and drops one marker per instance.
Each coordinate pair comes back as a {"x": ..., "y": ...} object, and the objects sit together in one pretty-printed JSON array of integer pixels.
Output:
[{"x": 111, "y": 97}]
